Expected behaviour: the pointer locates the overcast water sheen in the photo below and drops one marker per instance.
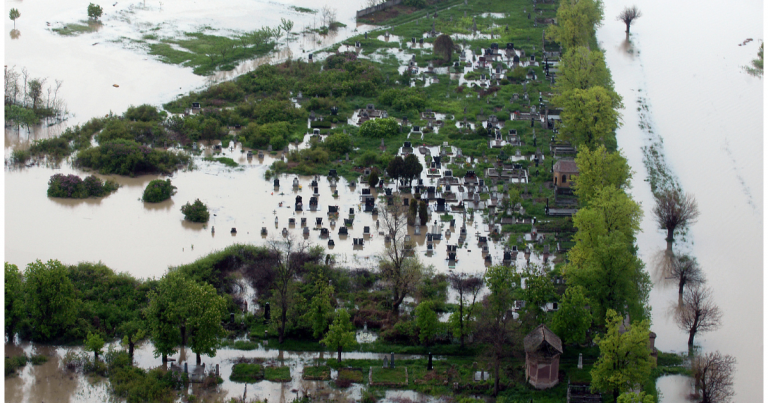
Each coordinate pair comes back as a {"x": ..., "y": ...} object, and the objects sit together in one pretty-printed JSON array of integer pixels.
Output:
[{"x": 710, "y": 114}]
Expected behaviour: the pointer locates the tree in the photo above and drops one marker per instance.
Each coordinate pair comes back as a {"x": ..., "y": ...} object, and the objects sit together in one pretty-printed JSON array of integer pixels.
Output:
[
  {"x": 14, "y": 299},
  {"x": 576, "y": 22},
  {"x": 625, "y": 358},
  {"x": 466, "y": 286},
  {"x": 412, "y": 167},
  {"x": 35, "y": 91},
  {"x": 50, "y": 299},
  {"x": 427, "y": 322},
  {"x": 204, "y": 310},
  {"x": 574, "y": 318},
  {"x": 373, "y": 179},
  {"x": 396, "y": 168},
  {"x": 686, "y": 271},
  {"x": 589, "y": 117},
  {"x": 94, "y": 343},
  {"x": 399, "y": 271},
  {"x": 166, "y": 313},
  {"x": 698, "y": 313},
  {"x": 423, "y": 213},
  {"x": 320, "y": 311},
  {"x": 341, "y": 333},
  {"x": 158, "y": 190},
  {"x": 94, "y": 11},
  {"x": 132, "y": 331},
  {"x": 675, "y": 210},
  {"x": 496, "y": 325},
  {"x": 14, "y": 15},
  {"x": 443, "y": 47},
  {"x": 196, "y": 212},
  {"x": 713, "y": 375},
  {"x": 284, "y": 286},
  {"x": 582, "y": 68},
  {"x": 628, "y": 15},
  {"x": 598, "y": 169},
  {"x": 634, "y": 397},
  {"x": 339, "y": 143}
]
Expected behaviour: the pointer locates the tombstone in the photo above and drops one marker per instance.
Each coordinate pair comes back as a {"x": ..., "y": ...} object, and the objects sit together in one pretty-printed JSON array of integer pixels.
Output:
[
  {"x": 343, "y": 230},
  {"x": 429, "y": 363},
  {"x": 318, "y": 221},
  {"x": 392, "y": 359},
  {"x": 385, "y": 364},
  {"x": 276, "y": 182},
  {"x": 366, "y": 35},
  {"x": 303, "y": 221},
  {"x": 580, "y": 365},
  {"x": 186, "y": 368},
  {"x": 267, "y": 313}
]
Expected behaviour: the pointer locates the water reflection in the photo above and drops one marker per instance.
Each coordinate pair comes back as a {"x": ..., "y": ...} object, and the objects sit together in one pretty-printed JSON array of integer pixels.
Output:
[
  {"x": 72, "y": 203},
  {"x": 15, "y": 33}
]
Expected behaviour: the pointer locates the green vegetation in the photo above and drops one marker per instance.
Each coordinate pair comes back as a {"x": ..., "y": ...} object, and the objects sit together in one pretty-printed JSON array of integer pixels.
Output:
[
  {"x": 319, "y": 373},
  {"x": 195, "y": 212},
  {"x": 277, "y": 374},
  {"x": 14, "y": 15},
  {"x": 127, "y": 157},
  {"x": 388, "y": 376},
  {"x": 94, "y": 11},
  {"x": 158, "y": 190},
  {"x": 19, "y": 361},
  {"x": 247, "y": 373},
  {"x": 303, "y": 10},
  {"x": 71, "y": 186},
  {"x": 224, "y": 160},
  {"x": 74, "y": 29}
]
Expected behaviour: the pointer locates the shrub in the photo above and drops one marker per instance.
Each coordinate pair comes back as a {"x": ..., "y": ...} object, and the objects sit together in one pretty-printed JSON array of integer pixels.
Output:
[
  {"x": 195, "y": 212},
  {"x": 378, "y": 128},
  {"x": 158, "y": 190},
  {"x": 321, "y": 124},
  {"x": 339, "y": 143},
  {"x": 19, "y": 156},
  {"x": 126, "y": 157}
]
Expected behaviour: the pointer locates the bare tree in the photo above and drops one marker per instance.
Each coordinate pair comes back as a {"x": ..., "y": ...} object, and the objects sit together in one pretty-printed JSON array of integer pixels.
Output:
[
  {"x": 686, "y": 271},
  {"x": 328, "y": 15},
  {"x": 500, "y": 332},
  {"x": 628, "y": 15},
  {"x": 467, "y": 285},
  {"x": 286, "y": 274},
  {"x": 398, "y": 268},
  {"x": 698, "y": 313},
  {"x": 713, "y": 373},
  {"x": 675, "y": 210}
]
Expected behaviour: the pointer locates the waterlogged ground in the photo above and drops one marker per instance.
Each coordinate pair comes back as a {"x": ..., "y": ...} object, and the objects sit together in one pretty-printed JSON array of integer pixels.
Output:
[{"x": 697, "y": 100}]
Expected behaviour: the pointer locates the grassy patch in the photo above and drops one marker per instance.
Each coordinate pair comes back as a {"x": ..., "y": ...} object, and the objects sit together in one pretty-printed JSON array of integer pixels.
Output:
[
  {"x": 277, "y": 374},
  {"x": 78, "y": 29},
  {"x": 247, "y": 373},
  {"x": 224, "y": 160},
  {"x": 389, "y": 376},
  {"x": 317, "y": 373},
  {"x": 351, "y": 374},
  {"x": 303, "y": 10}
]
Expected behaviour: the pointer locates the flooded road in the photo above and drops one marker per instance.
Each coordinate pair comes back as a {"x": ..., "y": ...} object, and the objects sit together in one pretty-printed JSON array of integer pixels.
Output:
[{"x": 709, "y": 113}]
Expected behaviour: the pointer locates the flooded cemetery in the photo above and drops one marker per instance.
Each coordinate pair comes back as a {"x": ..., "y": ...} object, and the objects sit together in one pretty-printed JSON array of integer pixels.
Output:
[{"x": 391, "y": 202}]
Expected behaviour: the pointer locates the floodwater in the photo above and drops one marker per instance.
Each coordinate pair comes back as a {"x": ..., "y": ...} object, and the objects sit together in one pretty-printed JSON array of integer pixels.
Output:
[{"x": 709, "y": 113}]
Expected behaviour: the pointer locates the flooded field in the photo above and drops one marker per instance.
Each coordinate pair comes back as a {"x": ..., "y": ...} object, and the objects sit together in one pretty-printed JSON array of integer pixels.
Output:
[{"x": 716, "y": 156}]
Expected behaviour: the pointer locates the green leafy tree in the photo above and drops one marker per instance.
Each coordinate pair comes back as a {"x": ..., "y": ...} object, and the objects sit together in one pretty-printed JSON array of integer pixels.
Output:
[
  {"x": 14, "y": 299},
  {"x": 167, "y": 313},
  {"x": 597, "y": 169},
  {"x": 94, "y": 11},
  {"x": 320, "y": 310},
  {"x": 158, "y": 190},
  {"x": 443, "y": 47},
  {"x": 582, "y": 68},
  {"x": 339, "y": 143},
  {"x": 195, "y": 212},
  {"x": 14, "y": 15},
  {"x": 341, "y": 333},
  {"x": 574, "y": 318},
  {"x": 423, "y": 212},
  {"x": 396, "y": 168},
  {"x": 50, "y": 299},
  {"x": 634, "y": 397},
  {"x": 204, "y": 310},
  {"x": 466, "y": 286},
  {"x": 538, "y": 291},
  {"x": 94, "y": 343},
  {"x": 132, "y": 331},
  {"x": 589, "y": 117},
  {"x": 625, "y": 358},
  {"x": 426, "y": 320},
  {"x": 378, "y": 128},
  {"x": 373, "y": 179},
  {"x": 412, "y": 167},
  {"x": 576, "y": 22}
]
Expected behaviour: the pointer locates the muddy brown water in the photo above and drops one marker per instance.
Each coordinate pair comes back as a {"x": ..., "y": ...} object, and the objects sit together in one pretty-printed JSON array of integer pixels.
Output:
[{"x": 710, "y": 115}]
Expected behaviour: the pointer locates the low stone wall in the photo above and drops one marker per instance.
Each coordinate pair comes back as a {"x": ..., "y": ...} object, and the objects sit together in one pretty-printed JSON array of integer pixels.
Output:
[{"x": 378, "y": 7}]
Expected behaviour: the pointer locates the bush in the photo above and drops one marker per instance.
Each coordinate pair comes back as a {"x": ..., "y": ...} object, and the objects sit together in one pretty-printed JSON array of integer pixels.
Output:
[
  {"x": 195, "y": 212},
  {"x": 127, "y": 157},
  {"x": 379, "y": 128},
  {"x": 19, "y": 156},
  {"x": 320, "y": 124},
  {"x": 339, "y": 143},
  {"x": 158, "y": 190},
  {"x": 71, "y": 186}
]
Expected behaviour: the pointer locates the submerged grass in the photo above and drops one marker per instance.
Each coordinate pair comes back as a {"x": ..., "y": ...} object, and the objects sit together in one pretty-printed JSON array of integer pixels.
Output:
[{"x": 77, "y": 29}]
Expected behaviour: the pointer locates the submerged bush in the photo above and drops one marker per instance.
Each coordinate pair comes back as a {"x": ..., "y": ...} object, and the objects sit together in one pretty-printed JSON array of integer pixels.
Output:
[
  {"x": 127, "y": 157},
  {"x": 195, "y": 212},
  {"x": 158, "y": 190},
  {"x": 71, "y": 186}
]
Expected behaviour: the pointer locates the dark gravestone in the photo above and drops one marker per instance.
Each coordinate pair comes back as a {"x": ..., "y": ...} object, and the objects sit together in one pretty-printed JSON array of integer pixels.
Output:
[
  {"x": 267, "y": 315},
  {"x": 392, "y": 359},
  {"x": 429, "y": 364}
]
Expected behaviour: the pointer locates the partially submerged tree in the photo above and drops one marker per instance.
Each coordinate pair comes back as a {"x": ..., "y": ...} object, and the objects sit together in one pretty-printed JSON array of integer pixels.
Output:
[
  {"x": 94, "y": 343},
  {"x": 341, "y": 333},
  {"x": 14, "y": 300},
  {"x": 574, "y": 318},
  {"x": 412, "y": 167},
  {"x": 576, "y": 22},
  {"x": 94, "y": 11},
  {"x": 14, "y": 14},
  {"x": 51, "y": 302},
  {"x": 320, "y": 309},
  {"x": 698, "y": 313},
  {"x": 284, "y": 288},
  {"x": 396, "y": 168},
  {"x": 204, "y": 310},
  {"x": 628, "y": 15},
  {"x": 686, "y": 271},
  {"x": 713, "y": 375},
  {"x": 675, "y": 210},
  {"x": 589, "y": 117},
  {"x": 625, "y": 359},
  {"x": 427, "y": 322},
  {"x": 466, "y": 286},
  {"x": 373, "y": 179}
]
